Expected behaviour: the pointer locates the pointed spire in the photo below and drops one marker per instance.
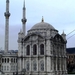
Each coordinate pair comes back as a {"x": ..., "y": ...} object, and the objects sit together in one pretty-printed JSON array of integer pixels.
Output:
[
  {"x": 63, "y": 32},
  {"x": 7, "y": 1},
  {"x": 24, "y": 5},
  {"x": 64, "y": 36},
  {"x": 21, "y": 31},
  {"x": 24, "y": 20},
  {"x": 42, "y": 19},
  {"x": 24, "y": 10}
]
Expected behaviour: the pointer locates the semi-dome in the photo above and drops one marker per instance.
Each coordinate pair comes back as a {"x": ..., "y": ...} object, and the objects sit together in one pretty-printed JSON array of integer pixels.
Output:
[{"x": 42, "y": 25}]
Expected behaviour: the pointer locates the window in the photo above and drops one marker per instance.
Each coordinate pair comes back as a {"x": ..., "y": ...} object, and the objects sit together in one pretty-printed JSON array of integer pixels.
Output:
[
  {"x": 28, "y": 50},
  {"x": 11, "y": 59},
  {"x": 27, "y": 66},
  {"x": 7, "y": 60},
  {"x": 14, "y": 60},
  {"x": 16, "y": 68},
  {"x": 2, "y": 68},
  {"x": 34, "y": 50},
  {"x": 58, "y": 64},
  {"x": 42, "y": 65},
  {"x": 2, "y": 60},
  {"x": 7, "y": 68},
  {"x": 11, "y": 67},
  {"x": 34, "y": 66},
  {"x": 42, "y": 49}
]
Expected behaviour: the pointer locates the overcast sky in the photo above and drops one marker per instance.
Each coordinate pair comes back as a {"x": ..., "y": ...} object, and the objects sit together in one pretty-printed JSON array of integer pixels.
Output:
[{"x": 59, "y": 13}]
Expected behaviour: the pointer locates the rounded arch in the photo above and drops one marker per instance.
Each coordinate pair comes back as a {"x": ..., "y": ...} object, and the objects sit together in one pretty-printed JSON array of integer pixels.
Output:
[
  {"x": 2, "y": 60},
  {"x": 28, "y": 50},
  {"x": 14, "y": 60},
  {"x": 34, "y": 49},
  {"x": 42, "y": 49},
  {"x": 58, "y": 38},
  {"x": 7, "y": 60},
  {"x": 11, "y": 60}
]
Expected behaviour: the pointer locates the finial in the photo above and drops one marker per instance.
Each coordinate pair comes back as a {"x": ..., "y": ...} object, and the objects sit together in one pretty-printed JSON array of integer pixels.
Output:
[
  {"x": 24, "y": 4},
  {"x": 42, "y": 19},
  {"x": 20, "y": 30},
  {"x": 63, "y": 32}
]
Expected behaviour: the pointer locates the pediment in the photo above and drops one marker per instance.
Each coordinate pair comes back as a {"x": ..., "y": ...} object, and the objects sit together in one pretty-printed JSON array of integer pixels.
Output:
[
  {"x": 33, "y": 37},
  {"x": 58, "y": 38}
]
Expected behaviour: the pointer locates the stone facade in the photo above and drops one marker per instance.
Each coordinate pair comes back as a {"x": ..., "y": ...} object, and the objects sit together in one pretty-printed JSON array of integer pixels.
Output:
[
  {"x": 8, "y": 62},
  {"x": 42, "y": 51}
]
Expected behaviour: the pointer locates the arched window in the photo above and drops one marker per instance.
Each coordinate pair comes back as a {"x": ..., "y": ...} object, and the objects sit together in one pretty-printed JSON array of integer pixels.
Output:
[
  {"x": 14, "y": 60},
  {"x": 34, "y": 66},
  {"x": 2, "y": 68},
  {"x": 28, "y": 50},
  {"x": 34, "y": 49},
  {"x": 42, "y": 49},
  {"x": 11, "y": 60},
  {"x": 27, "y": 66},
  {"x": 7, "y": 60},
  {"x": 2, "y": 60},
  {"x": 42, "y": 65},
  {"x": 7, "y": 67}
]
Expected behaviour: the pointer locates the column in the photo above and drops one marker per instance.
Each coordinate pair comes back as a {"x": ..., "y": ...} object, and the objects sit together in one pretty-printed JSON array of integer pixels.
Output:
[
  {"x": 56, "y": 66},
  {"x": 37, "y": 57},
  {"x": 30, "y": 57}
]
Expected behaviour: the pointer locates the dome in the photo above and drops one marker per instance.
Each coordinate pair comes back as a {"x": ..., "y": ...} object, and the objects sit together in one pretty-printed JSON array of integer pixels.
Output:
[{"x": 42, "y": 25}]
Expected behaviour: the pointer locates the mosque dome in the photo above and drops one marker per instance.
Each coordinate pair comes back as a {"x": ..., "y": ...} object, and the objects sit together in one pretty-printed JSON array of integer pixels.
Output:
[{"x": 42, "y": 25}]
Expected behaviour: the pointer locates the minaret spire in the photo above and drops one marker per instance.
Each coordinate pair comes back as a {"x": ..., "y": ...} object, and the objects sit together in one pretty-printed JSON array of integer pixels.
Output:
[
  {"x": 24, "y": 20},
  {"x": 7, "y": 15},
  {"x": 24, "y": 4},
  {"x": 42, "y": 19}
]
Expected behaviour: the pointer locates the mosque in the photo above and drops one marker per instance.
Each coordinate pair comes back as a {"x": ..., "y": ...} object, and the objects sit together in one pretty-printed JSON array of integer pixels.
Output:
[{"x": 42, "y": 51}]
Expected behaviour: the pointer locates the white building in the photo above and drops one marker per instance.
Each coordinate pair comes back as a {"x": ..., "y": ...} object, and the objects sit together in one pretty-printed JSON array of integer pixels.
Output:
[{"x": 42, "y": 51}]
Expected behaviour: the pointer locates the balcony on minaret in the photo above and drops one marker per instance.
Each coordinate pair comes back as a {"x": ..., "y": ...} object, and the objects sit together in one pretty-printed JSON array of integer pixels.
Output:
[
  {"x": 24, "y": 8},
  {"x": 24, "y": 20},
  {"x": 7, "y": 14},
  {"x": 7, "y": 1}
]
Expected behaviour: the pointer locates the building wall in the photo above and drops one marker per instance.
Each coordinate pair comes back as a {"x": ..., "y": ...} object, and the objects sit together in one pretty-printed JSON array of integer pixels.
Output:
[
  {"x": 54, "y": 57},
  {"x": 9, "y": 63}
]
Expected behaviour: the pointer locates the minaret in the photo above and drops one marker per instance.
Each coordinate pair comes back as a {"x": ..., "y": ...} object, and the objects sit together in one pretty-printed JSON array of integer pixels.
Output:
[
  {"x": 7, "y": 15},
  {"x": 24, "y": 20}
]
